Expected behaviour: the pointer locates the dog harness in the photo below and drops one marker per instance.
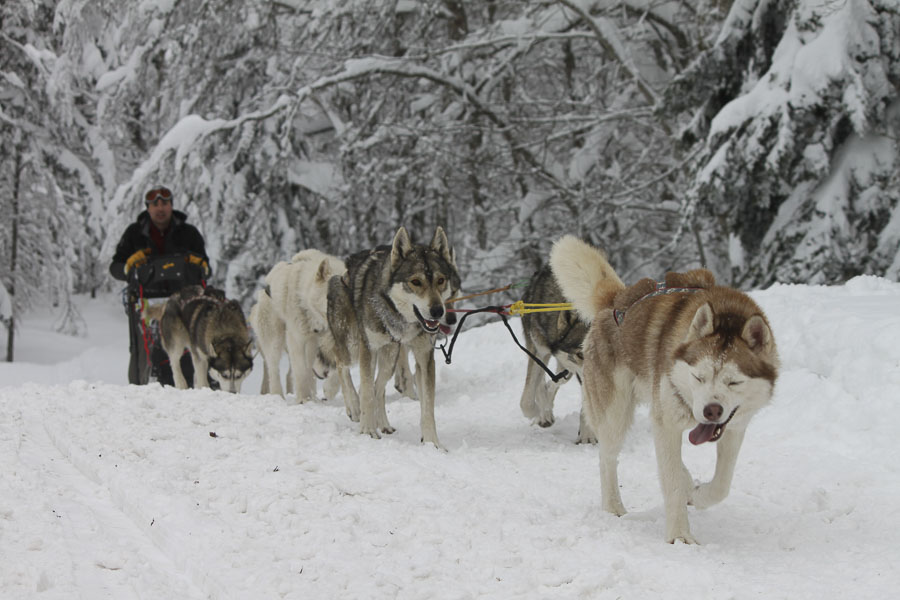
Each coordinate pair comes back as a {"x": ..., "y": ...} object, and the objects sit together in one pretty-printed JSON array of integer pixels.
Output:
[{"x": 661, "y": 290}]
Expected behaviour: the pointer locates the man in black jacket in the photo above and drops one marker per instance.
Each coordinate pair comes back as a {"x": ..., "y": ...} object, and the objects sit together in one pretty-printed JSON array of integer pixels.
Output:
[{"x": 158, "y": 231}]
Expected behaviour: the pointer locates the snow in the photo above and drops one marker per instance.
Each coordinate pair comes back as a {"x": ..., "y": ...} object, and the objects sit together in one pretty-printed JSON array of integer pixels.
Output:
[
  {"x": 117, "y": 491},
  {"x": 14, "y": 79},
  {"x": 320, "y": 177}
]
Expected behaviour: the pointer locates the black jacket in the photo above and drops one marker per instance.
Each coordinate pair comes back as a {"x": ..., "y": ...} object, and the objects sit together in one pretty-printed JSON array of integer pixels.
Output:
[{"x": 181, "y": 238}]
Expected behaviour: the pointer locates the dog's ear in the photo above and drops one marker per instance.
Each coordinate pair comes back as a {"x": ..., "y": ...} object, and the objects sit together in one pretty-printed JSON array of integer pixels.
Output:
[
  {"x": 441, "y": 245},
  {"x": 702, "y": 325},
  {"x": 324, "y": 273},
  {"x": 401, "y": 247},
  {"x": 757, "y": 334}
]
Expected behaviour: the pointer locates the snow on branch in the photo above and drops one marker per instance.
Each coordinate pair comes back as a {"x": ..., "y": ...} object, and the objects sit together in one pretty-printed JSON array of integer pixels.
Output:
[
  {"x": 608, "y": 37},
  {"x": 367, "y": 67}
]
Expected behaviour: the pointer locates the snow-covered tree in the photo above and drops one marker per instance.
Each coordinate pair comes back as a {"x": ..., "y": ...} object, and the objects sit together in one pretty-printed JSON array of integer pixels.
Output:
[
  {"x": 511, "y": 124},
  {"x": 45, "y": 181},
  {"x": 764, "y": 148},
  {"x": 797, "y": 106}
]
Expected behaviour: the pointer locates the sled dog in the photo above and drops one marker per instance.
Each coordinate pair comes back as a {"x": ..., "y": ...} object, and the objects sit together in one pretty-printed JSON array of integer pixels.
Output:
[
  {"x": 335, "y": 360},
  {"x": 291, "y": 311},
  {"x": 393, "y": 298},
  {"x": 216, "y": 333},
  {"x": 703, "y": 355},
  {"x": 269, "y": 332},
  {"x": 558, "y": 334}
]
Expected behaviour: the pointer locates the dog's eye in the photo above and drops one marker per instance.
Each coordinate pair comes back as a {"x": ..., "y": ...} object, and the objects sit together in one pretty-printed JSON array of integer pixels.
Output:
[
  {"x": 734, "y": 383},
  {"x": 698, "y": 378},
  {"x": 441, "y": 281},
  {"x": 415, "y": 282}
]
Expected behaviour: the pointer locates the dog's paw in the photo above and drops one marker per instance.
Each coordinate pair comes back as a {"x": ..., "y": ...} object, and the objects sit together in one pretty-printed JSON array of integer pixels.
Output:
[
  {"x": 353, "y": 411},
  {"x": 406, "y": 389},
  {"x": 615, "y": 507},
  {"x": 685, "y": 538},
  {"x": 434, "y": 441},
  {"x": 585, "y": 438},
  {"x": 705, "y": 495},
  {"x": 429, "y": 435},
  {"x": 387, "y": 430},
  {"x": 372, "y": 432},
  {"x": 544, "y": 420}
]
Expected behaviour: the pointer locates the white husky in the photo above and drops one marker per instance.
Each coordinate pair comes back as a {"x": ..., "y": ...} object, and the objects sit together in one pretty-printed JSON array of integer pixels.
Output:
[{"x": 292, "y": 311}]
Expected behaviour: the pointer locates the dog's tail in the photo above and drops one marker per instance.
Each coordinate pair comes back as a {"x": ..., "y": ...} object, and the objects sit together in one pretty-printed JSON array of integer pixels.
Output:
[{"x": 585, "y": 277}]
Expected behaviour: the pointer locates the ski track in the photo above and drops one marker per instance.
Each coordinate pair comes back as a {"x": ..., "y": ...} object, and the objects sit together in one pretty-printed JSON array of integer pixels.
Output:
[{"x": 88, "y": 513}]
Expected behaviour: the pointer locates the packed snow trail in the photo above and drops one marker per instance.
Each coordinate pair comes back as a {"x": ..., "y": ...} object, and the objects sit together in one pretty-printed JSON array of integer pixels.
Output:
[
  {"x": 98, "y": 551},
  {"x": 290, "y": 501}
]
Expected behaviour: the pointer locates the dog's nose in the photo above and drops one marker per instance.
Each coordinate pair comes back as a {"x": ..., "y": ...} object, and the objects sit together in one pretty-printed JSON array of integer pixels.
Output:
[
  {"x": 713, "y": 412},
  {"x": 437, "y": 311}
]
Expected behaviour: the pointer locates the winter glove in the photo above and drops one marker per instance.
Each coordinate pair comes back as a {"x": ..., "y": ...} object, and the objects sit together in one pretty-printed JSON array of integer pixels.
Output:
[
  {"x": 198, "y": 260},
  {"x": 136, "y": 259}
]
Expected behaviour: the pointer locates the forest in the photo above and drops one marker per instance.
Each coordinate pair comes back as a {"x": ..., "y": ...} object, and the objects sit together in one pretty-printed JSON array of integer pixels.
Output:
[{"x": 758, "y": 138}]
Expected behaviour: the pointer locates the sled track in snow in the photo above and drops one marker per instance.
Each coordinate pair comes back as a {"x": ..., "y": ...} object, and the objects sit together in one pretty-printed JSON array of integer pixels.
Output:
[{"x": 107, "y": 507}]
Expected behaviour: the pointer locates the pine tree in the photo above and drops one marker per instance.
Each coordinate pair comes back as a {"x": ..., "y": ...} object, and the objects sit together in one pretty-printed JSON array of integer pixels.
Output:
[
  {"x": 798, "y": 117},
  {"x": 47, "y": 176}
]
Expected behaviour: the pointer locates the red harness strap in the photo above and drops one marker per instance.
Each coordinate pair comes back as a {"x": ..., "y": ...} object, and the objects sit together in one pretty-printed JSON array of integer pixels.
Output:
[{"x": 145, "y": 331}]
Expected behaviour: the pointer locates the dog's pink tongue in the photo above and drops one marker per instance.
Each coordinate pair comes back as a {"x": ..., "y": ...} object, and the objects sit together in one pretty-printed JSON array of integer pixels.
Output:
[
  {"x": 702, "y": 433},
  {"x": 445, "y": 330}
]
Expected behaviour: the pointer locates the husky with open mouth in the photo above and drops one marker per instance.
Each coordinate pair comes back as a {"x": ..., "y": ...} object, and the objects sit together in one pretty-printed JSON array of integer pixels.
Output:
[
  {"x": 393, "y": 298},
  {"x": 703, "y": 355}
]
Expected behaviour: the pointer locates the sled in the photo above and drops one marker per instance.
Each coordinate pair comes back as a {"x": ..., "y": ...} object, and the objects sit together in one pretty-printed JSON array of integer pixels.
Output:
[{"x": 151, "y": 283}]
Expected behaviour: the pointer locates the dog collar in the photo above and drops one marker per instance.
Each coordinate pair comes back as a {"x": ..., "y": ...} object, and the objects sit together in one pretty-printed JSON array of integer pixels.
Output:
[{"x": 661, "y": 290}]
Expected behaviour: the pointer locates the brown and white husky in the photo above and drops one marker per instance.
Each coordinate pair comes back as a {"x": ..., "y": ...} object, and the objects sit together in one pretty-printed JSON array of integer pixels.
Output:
[{"x": 702, "y": 355}]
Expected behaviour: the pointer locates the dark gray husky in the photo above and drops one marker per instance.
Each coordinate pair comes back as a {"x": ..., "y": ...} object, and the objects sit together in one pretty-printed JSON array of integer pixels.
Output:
[
  {"x": 558, "y": 334},
  {"x": 214, "y": 330},
  {"x": 393, "y": 297}
]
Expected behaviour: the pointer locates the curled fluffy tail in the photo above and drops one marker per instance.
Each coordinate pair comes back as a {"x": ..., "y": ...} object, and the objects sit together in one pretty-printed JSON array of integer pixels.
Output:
[{"x": 584, "y": 276}]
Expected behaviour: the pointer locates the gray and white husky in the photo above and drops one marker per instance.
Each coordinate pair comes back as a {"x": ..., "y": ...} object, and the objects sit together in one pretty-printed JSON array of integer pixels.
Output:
[
  {"x": 393, "y": 298},
  {"x": 214, "y": 330},
  {"x": 558, "y": 334},
  {"x": 702, "y": 355}
]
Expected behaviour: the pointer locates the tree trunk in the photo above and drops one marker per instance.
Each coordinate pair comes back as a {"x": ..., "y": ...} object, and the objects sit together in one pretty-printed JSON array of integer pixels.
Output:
[{"x": 10, "y": 340}]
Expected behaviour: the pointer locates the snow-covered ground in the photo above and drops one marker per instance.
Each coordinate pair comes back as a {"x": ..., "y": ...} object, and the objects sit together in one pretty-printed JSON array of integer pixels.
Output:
[{"x": 115, "y": 491}]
